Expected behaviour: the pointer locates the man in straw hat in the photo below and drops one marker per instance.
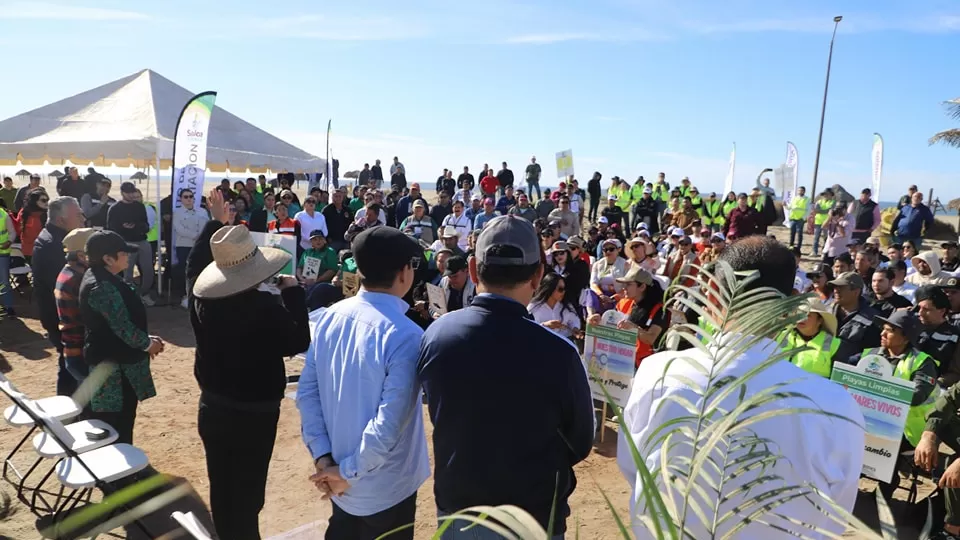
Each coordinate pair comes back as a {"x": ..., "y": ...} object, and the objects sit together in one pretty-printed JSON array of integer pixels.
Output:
[
  {"x": 358, "y": 395},
  {"x": 67, "y": 295},
  {"x": 241, "y": 378}
]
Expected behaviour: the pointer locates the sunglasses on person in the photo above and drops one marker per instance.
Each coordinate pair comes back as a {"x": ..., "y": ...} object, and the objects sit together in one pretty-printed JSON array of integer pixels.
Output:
[
  {"x": 43, "y": 200},
  {"x": 287, "y": 198},
  {"x": 186, "y": 197},
  {"x": 609, "y": 249}
]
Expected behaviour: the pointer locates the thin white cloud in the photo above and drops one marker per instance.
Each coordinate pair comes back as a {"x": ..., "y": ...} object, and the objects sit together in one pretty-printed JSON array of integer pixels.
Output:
[
  {"x": 328, "y": 27},
  {"x": 613, "y": 36},
  {"x": 65, "y": 12}
]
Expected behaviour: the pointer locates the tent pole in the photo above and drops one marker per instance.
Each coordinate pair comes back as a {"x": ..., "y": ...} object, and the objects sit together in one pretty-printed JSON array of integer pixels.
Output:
[{"x": 160, "y": 235}]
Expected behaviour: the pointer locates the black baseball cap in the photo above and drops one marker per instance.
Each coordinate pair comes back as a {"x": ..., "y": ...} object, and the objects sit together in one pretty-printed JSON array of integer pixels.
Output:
[
  {"x": 818, "y": 270},
  {"x": 948, "y": 245},
  {"x": 381, "y": 252},
  {"x": 102, "y": 243},
  {"x": 952, "y": 284},
  {"x": 902, "y": 319},
  {"x": 933, "y": 293},
  {"x": 455, "y": 264},
  {"x": 317, "y": 232}
]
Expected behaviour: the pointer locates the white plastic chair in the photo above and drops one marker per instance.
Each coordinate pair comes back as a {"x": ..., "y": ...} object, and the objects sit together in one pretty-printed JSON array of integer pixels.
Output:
[
  {"x": 62, "y": 408},
  {"x": 192, "y": 525},
  {"x": 48, "y": 447},
  {"x": 81, "y": 472}
]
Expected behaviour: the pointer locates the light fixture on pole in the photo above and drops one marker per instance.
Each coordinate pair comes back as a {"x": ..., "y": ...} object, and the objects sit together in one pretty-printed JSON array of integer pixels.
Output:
[{"x": 823, "y": 110}]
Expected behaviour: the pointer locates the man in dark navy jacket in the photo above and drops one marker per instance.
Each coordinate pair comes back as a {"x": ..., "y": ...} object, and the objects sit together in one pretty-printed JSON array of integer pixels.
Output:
[{"x": 486, "y": 449}]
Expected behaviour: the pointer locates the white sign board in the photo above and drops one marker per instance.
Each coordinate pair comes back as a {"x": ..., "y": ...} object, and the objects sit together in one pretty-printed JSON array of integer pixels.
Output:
[
  {"x": 311, "y": 267},
  {"x": 437, "y": 298},
  {"x": 884, "y": 401},
  {"x": 280, "y": 241},
  {"x": 608, "y": 354},
  {"x": 565, "y": 164}
]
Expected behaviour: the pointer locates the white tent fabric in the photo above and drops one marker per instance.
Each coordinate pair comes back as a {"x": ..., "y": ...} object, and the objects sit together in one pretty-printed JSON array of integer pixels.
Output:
[{"x": 134, "y": 119}]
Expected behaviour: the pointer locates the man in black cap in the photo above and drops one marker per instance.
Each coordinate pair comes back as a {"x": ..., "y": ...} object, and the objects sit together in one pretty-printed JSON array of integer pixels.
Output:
[
  {"x": 951, "y": 257},
  {"x": 937, "y": 337},
  {"x": 461, "y": 365},
  {"x": 359, "y": 399},
  {"x": 951, "y": 288},
  {"x": 907, "y": 363},
  {"x": 128, "y": 218},
  {"x": 456, "y": 285},
  {"x": 855, "y": 326}
]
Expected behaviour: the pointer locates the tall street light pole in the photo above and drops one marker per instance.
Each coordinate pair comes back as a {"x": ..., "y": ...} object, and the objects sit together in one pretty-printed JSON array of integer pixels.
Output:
[{"x": 823, "y": 110}]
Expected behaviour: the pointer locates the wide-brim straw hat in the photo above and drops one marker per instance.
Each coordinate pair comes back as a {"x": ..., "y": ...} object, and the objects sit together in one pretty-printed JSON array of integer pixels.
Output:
[
  {"x": 827, "y": 316},
  {"x": 238, "y": 264}
]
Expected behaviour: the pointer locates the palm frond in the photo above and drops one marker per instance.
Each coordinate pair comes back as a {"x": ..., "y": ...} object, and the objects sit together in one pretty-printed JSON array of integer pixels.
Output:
[
  {"x": 953, "y": 108},
  {"x": 950, "y": 137}
]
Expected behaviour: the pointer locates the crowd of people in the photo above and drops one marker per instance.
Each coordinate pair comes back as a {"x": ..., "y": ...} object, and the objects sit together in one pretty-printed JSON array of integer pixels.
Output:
[{"x": 516, "y": 273}]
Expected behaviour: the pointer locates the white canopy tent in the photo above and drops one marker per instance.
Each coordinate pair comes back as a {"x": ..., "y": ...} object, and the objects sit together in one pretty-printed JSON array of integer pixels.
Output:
[{"x": 132, "y": 122}]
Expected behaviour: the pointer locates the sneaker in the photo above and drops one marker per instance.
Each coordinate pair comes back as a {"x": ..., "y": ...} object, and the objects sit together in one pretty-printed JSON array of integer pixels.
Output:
[
  {"x": 183, "y": 303},
  {"x": 147, "y": 301}
]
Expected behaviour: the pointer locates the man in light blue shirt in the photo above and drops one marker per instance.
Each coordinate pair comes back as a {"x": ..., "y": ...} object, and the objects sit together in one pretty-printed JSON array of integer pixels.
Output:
[{"x": 359, "y": 398}]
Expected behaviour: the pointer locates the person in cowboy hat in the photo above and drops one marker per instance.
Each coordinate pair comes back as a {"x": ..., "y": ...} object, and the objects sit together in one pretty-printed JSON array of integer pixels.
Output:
[{"x": 242, "y": 380}]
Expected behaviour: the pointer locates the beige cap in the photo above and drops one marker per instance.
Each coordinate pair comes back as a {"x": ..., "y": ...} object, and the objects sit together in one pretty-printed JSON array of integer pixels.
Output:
[{"x": 76, "y": 240}]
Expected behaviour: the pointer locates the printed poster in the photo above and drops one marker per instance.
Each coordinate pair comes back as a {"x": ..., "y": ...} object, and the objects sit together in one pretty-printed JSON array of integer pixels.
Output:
[
  {"x": 608, "y": 354},
  {"x": 350, "y": 284},
  {"x": 565, "y": 164},
  {"x": 311, "y": 267},
  {"x": 280, "y": 241},
  {"x": 884, "y": 401},
  {"x": 438, "y": 300}
]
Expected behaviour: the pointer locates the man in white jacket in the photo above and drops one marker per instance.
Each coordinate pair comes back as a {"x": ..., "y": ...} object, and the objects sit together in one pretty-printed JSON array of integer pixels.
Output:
[
  {"x": 188, "y": 222},
  {"x": 814, "y": 449}
]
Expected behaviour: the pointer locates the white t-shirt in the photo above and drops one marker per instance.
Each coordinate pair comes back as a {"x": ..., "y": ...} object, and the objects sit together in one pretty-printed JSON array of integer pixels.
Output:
[
  {"x": 542, "y": 313},
  {"x": 575, "y": 203},
  {"x": 308, "y": 225},
  {"x": 361, "y": 213},
  {"x": 823, "y": 451}
]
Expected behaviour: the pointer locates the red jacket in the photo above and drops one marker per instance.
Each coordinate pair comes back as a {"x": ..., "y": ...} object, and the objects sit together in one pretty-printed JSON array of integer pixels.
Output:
[
  {"x": 29, "y": 228},
  {"x": 489, "y": 184},
  {"x": 741, "y": 223}
]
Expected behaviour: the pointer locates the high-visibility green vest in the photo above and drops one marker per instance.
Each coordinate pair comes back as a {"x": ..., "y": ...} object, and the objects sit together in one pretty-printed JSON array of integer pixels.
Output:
[
  {"x": 623, "y": 197},
  {"x": 758, "y": 206},
  {"x": 685, "y": 191},
  {"x": 728, "y": 207},
  {"x": 798, "y": 208},
  {"x": 154, "y": 231},
  {"x": 4, "y": 234},
  {"x": 661, "y": 192},
  {"x": 917, "y": 417},
  {"x": 697, "y": 203},
  {"x": 636, "y": 192},
  {"x": 710, "y": 213},
  {"x": 818, "y": 359},
  {"x": 825, "y": 205}
]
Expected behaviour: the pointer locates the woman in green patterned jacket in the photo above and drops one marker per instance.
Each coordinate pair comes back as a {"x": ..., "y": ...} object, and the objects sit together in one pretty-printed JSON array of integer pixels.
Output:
[{"x": 116, "y": 344}]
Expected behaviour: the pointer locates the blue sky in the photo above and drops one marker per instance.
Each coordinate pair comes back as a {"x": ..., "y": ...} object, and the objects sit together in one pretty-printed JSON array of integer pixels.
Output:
[{"x": 631, "y": 86}]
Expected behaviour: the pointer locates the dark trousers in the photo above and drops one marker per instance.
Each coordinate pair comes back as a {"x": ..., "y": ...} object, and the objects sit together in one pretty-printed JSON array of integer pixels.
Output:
[
  {"x": 124, "y": 419},
  {"x": 238, "y": 445},
  {"x": 179, "y": 274},
  {"x": 344, "y": 526},
  {"x": 594, "y": 207}
]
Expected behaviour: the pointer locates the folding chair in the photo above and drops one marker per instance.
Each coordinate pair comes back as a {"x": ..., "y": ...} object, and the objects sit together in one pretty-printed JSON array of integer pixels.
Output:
[
  {"x": 20, "y": 274},
  {"x": 192, "y": 525},
  {"x": 82, "y": 472},
  {"x": 60, "y": 407}
]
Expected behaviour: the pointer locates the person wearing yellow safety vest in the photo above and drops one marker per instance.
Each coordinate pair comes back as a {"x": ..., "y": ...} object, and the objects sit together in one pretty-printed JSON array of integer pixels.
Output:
[
  {"x": 696, "y": 200},
  {"x": 909, "y": 364},
  {"x": 685, "y": 187},
  {"x": 621, "y": 188},
  {"x": 821, "y": 213},
  {"x": 729, "y": 203},
  {"x": 797, "y": 215},
  {"x": 661, "y": 192},
  {"x": 711, "y": 213},
  {"x": 818, "y": 333},
  {"x": 7, "y": 233},
  {"x": 636, "y": 193}
]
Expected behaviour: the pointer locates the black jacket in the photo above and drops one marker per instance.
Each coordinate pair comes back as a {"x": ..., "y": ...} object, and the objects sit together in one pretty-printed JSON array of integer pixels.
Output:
[
  {"x": 503, "y": 458},
  {"x": 857, "y": 331},
  {"x": 101, "y": 343},
  {"x": 48, "y": 260},
  {"x": 466, "y": 181},
  {"x": 124, "y": 212},
  {"x": 505, "y": 177}
]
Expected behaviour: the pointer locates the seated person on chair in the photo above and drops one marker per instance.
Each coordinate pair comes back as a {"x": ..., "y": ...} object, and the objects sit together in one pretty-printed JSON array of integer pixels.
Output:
[{"x": 898, "y": 332}]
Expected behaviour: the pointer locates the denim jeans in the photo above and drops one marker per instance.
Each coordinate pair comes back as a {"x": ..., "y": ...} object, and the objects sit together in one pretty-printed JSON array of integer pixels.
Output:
[
  {"x": 477, "y": 532},
  {"x": 6, "y": 295},
  {"x": 796, "y": 232},
  {"x": 142, "y": 259},
  {"x": 533, "y": 186},
  {"x": 817, "y": 231}
]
